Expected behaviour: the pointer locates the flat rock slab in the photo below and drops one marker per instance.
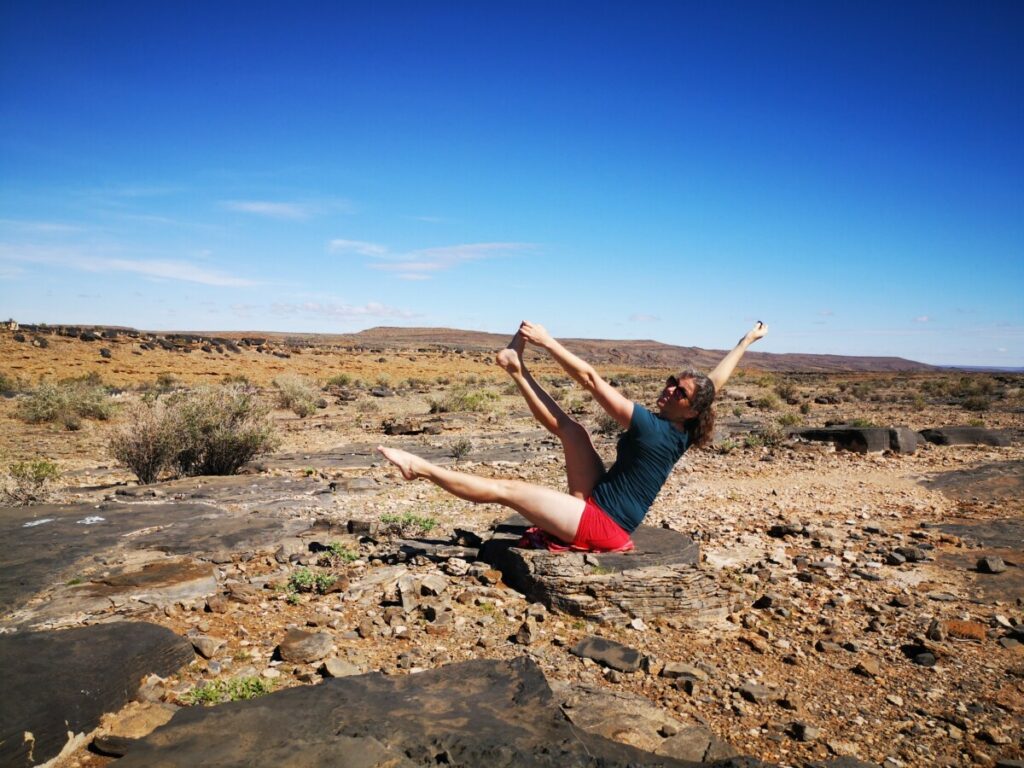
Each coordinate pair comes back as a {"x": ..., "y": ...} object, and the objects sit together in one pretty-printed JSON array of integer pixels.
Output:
[
  {"x": 637, "y": 721},
  {"x": 608, "y": 653},
  {"x": 660, "y": 578},
  {"x": 865, "y": 439},
  {"x": 996, "y": 481},
  {"x": 477, "y": 713},
  {"x": 991, "y": 538},
  {"x": 966, "y": 436},
  {"x": 363, "y": 455},
  {"x": 44, "y": 545},
  {"x": 245, "y": 490},
  {"x": 57, "y": 685}
]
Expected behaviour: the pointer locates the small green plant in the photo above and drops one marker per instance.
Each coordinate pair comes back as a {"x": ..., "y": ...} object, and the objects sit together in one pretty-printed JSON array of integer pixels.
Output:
[
  {"x": 460, "y": 448},
  {"x": 737, "y": 411},
  {"x": 297, "y": 393},
  {"x": 786, "y": 390},
  {"x": 336, "y": 553},
  {"x": 861, "y": 423},
  {"x": 408, "y": 523},
  {"x": 235, "y": 689},
  {"x": 74, "y": 582},
  {"x": 767, "y": 402},
  {"x": 307, "y": 580},
  {"x": 976, "y": 423},
  {"x": 917, "y": 402},
  {"x": 790, "y": 420},
  {"x": 339, "y": 380},
  {"x": 725, "y": 447},
  {"x": 805, "y": 408},
  {"x": 30, "y": 481},
  {"x": 239, "y": 379},
  {"x": 166, "y": 382}
]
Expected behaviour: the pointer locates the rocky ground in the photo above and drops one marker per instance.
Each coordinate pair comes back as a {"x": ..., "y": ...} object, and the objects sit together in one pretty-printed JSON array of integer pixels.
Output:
[{"x": 862, "y": 619}]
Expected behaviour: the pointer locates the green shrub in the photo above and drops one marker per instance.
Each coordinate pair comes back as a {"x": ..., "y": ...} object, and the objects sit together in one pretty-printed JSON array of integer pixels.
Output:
[
  {"x": 222, "y": 429},
  {"x": 8, "y": 385},
  {"x": 408, "y": 523},
  {"x": 805, "y": 408},
  {"x": 66, "y": 403},
  {"x": 339, "y": 380},
  {"x": 725, "y": 447},
  {"x": 464, "y": 400},
  {"x": 298, "y": 394},
  {"x": 460, "y": 448},
  {"x": 235, "y": 689},
  {"x": 767, "y": 402},
  {"x": 166, "y": 382},
  {"x": 210, "y": 431},
  {"x": 977, "y": 403},
  {"x": 861, "y": 423},
  {"x": 786, "y": 390},
  {"x": 790, "y": 420},
  {"x": 30, "y": 481}
]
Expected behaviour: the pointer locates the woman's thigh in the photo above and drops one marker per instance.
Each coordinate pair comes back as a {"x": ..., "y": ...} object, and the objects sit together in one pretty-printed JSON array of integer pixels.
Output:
[
  {"x": 557, "y": 513},
  {"x": 583, "y": 466}
]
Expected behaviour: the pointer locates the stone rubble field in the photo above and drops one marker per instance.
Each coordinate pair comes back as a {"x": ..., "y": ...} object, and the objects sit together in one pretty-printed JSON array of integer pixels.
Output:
[{"x": 790, "y": 601}]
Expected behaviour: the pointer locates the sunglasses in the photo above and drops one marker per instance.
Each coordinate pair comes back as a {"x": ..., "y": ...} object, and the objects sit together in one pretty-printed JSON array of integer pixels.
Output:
[{"x": 679, "y": 393}]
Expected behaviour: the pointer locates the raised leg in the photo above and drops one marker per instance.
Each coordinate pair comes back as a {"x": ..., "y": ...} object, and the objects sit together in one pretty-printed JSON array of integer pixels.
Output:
[
  {"x": 583, "y": 465},
  {"x": 557, "y": 513}
]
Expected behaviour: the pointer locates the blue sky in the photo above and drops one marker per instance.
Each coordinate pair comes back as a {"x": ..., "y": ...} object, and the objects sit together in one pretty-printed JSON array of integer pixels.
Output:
[{"x": 853, "y": 174}]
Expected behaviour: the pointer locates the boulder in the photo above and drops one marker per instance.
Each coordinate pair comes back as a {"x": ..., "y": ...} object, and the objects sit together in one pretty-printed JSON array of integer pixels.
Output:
[
  {"x": 57, "y": 685},
  {"x": 477, "y": 713},
  {"x": 864, "y": 439},
  {"x": 660, "y": 578},
  {"x": 966, "y": 436}
]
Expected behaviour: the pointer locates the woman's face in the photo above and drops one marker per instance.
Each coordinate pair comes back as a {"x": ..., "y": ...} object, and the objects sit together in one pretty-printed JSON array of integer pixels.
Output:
[{"x": 675, "y": 401}]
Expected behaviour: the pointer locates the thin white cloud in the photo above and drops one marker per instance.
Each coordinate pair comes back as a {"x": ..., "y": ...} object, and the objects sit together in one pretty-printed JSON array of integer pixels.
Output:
[
  {"x": 294, "y": 211},
  {"x": 640, "y": 317},
  {"x": 361, "y": 247},
  {"x": 340, "y": 310},
  {"x": 922, "y": 319},
  {"x": 826, "y": 313},
  {"x": 163, "y": 269},
  {"x": 39, "y": 227},
  {"x": 421, "y": 264}
]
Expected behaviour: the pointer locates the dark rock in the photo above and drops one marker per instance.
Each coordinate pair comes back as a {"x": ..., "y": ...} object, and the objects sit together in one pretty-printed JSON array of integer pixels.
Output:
[
  {"x": 478, "y": 713},
  {"x": 858, "y": 439},
  {"x": 911, "y": 554},
  {"x": 805, "y": 732},
  {"x": 608, "y": 653},
  {"x": 903, "y": 440},
  {"x": 61, "y": 682},
  {"x": 782, "y": 530},
  {"x": 966, "y": 436},
  {"x": 113, "y": 746},
  {"x": 305, "y": 647},
  {"x": 991, "y": 565}
]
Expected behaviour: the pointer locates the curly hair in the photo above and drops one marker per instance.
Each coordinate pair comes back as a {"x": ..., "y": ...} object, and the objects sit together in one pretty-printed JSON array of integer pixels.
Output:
[{"x": 701, "y": 428}]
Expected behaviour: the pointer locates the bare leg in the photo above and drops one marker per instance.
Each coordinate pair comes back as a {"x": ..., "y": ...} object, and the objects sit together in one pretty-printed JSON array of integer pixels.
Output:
[
  {"x": 583, "y": 465},
  {"x": 557, "y": 513}
]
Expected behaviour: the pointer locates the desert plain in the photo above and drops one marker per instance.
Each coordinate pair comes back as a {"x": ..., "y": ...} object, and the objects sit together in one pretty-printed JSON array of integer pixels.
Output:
[{"x": 872, "y": 608}]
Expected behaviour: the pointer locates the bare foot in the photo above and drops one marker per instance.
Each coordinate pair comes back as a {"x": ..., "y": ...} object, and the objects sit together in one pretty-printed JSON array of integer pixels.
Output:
[
  {"x": 405, "y": 461},
  {"x": 511, "y": 357}
]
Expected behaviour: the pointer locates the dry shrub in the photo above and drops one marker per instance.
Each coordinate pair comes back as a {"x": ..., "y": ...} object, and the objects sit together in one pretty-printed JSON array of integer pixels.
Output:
[
  {"x": 29, "y": 481},
  {"x": 66, "y": 403},
  {"x": 210, "y": 431},
  {"x": 297, "y": 393}
]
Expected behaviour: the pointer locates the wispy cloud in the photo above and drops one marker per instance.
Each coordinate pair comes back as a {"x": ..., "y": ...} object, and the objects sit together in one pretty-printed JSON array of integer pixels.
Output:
[
  {"x": 340, "y": 310},
  {"x": 294, "y": 211},
  {"x": 361, "y": 247},
  {"x": 826, "y": 313},
  {"x": 922, "y": 319},
  {"x": 163, "y": 269},
  {"x": 640, "y": 317},
  {"x": 421, "y": 264},
  {"x": 38, "y": 227}
]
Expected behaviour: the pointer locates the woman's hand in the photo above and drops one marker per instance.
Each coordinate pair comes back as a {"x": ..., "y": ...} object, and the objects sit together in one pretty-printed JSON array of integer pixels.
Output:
[
  {"x": 535, "y": 333},
  {"x": 755, "y": 333}
]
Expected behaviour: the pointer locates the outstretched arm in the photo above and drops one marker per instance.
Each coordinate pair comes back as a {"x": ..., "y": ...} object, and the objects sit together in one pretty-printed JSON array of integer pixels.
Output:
[
  {"x": 725, "y": 368},
  {"x": 608, "y": 397}
]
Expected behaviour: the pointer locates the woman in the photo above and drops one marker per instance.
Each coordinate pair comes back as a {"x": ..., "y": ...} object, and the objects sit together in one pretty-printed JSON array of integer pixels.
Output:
[{"x": 602, "y": 507}]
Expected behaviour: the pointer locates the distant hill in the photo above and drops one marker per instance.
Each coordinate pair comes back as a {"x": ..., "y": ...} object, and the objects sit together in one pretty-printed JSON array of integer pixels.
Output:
[{"x": 643, "y": 353}]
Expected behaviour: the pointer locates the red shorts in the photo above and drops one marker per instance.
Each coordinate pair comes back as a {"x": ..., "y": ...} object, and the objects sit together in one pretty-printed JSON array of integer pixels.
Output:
[{"x": 597, "y": 532}]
